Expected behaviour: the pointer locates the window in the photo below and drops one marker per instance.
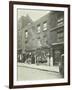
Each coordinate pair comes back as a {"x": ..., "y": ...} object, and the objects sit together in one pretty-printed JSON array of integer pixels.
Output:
[
  {"x": 39, "y": 43},
  {"x": 60, "y": 36},
  {"x": 38, "y": 28},
  {"x": 60, "y": 21},
  {"x": 44, "y": 26},
  {"x": 26, "y": 33}
]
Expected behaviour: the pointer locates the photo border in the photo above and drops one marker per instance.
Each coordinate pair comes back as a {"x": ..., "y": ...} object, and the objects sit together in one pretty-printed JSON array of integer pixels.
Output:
[{"x": 11, "y": 35}]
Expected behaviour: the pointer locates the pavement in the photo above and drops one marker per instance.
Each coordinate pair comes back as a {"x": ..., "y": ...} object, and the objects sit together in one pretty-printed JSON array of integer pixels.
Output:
[{"x": 43, "y": 67}]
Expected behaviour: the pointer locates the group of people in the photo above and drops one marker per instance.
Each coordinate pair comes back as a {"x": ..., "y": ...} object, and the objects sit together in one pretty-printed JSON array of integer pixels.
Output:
[{"x": 32, "y": 58}]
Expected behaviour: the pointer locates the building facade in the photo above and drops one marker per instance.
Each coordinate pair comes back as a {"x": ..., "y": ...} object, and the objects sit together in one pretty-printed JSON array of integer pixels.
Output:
[
  {"x": 50, "y": 34},
  {"x": 21, "y": 24}
]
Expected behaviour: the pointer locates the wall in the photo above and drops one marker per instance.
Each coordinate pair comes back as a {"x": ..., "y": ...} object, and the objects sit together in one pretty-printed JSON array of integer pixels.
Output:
[{"x": 4, "y": 45}]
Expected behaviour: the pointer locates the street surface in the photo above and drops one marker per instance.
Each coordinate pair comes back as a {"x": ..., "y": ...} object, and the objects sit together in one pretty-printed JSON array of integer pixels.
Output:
[{"x": 26, "y": 73}]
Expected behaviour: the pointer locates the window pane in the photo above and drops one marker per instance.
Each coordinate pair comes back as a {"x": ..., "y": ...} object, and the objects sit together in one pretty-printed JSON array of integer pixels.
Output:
[
  {"x": 45, "y": 26},
  {"x": 26, "y": 33},
  {"x": 38, "y": 28}
]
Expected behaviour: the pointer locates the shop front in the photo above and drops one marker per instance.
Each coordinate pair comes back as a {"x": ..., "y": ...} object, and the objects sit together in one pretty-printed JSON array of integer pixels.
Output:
[{"x": 57, "y": 50}]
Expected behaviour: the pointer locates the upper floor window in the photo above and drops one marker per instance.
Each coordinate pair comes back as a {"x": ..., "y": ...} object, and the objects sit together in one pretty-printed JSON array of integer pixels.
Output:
[
  {"x": 38, "y": 28},
  {"x": 39, "y": 43},
  {"x": 60, "y": 36},
  {"x": 26, "y": 33},
  {"x": 44, "y": 26},
  {"x": 60, "y": 21}
]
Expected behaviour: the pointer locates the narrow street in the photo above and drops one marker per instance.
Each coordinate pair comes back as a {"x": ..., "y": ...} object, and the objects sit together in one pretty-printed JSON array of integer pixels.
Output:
[{"x": 25, "y": 73}]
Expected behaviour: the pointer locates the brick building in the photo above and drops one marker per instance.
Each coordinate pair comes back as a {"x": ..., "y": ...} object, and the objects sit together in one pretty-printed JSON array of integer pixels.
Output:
[
  {"x": 23, "y": 21},
  {"x": 50, "y": 34}
]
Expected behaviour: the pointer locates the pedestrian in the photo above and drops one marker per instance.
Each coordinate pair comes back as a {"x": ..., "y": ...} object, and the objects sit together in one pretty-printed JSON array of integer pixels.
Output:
[
  {"x": 47, "y": 60},
  {"x": 51, "y": 61}
]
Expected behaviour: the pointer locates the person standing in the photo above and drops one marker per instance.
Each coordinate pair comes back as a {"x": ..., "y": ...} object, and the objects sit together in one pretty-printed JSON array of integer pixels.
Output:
[
  {"x": 48, "y": 61},
  {"x": 51, "y": 61}
]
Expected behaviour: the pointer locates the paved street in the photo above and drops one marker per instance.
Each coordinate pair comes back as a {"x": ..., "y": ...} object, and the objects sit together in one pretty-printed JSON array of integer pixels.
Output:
[{"x": 26, "y": 73}]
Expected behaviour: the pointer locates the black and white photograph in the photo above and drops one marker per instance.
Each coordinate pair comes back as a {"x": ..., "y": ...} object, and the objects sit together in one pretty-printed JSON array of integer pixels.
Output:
[{"x": 40, "y": 44}]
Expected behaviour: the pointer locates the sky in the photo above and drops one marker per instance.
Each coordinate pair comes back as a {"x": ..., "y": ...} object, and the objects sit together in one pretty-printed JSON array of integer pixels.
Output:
[{"x": 34, "y": 14}]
